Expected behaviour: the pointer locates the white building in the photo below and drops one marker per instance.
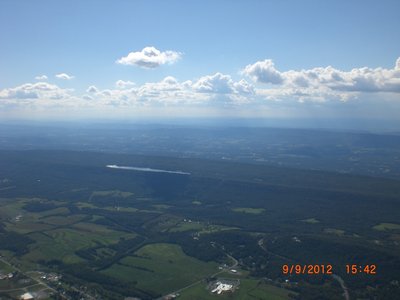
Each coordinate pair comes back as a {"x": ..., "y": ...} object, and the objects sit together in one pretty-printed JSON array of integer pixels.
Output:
[
  {"x": 222, "y": 287},
  {"x": 27, "y": 296}
]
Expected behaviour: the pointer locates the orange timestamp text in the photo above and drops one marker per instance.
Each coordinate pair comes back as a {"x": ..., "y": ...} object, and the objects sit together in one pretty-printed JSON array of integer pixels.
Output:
[
  {"x": 313, "y": 269},
  {"x": 327, "y": 269},
  {"x": 361, "y": 269}
]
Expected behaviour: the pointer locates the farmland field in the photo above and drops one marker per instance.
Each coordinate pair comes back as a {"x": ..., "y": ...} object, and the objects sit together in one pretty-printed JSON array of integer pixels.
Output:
[
  {"x": 161, "y": 268},
  {"x": 249, "y": 210},
  {"x": 387, "y": 226}
]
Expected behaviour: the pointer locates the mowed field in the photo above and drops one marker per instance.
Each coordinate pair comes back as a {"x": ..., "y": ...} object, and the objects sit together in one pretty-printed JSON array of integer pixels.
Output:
[
  {"x": 248, "y": 289},
  {"x": 387, "y": 226},
  {"x": 161, "y": 268}
]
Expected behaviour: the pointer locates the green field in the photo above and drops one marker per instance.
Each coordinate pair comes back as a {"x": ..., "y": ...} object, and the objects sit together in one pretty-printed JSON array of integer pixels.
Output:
[
  {"x": 110, "y": 208},
  {"x": 163, "y": 223},
  {"x": 10, "y": 208},
  {"x": 161, "y": 268},
  {"x": 248, "y": 289},
  {"x": 311, "y": 221},
  {"x": 62, "y": 243},
  {"x": 4, "y": 268},
  {"x": 97, "y": 231},
  {"x": 248, "y": 210},
  {"x": 387, "y": 226},
  {"x": 200, "y": 228},
  {"x": 63, "y": 220},
  {"x": 115, "y": 193},
  {"x": 56, "y": 211},
  {"x": 28, "y": 227},
  {"x": 335, "y": 231},
  {"x": 161, "y": 206},
  {"x": 186, "y": 226}
]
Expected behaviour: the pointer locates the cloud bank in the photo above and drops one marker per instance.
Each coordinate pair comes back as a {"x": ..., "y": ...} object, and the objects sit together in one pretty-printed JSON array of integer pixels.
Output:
[
  {"x": 323, "y": 83},
  {"x": 260, "y": 88},
  {"x": 39, "y": 90}
]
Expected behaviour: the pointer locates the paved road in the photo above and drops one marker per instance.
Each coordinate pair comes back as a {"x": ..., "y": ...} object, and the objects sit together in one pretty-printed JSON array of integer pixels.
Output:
[
  {"x": 262, "y": 246},
  {"x": 341, "y": 282}
]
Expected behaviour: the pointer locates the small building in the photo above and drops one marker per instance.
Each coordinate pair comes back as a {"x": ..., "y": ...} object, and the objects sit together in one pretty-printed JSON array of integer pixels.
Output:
[
  {"x": 53, "y": 277},
  {"x": 171, "y": 297},
  {"x": 27, "y": 296}
]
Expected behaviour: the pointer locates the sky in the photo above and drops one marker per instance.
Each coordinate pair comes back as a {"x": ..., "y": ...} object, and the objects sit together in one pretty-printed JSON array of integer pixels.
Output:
[{"x": 323, "y": 60}]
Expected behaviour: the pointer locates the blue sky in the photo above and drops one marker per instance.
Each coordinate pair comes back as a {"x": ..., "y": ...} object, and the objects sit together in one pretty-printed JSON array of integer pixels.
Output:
[{"x": 200, "y": 58}]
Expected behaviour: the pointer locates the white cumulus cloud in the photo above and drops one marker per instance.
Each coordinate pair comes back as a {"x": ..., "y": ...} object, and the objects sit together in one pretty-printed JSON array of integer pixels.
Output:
[
  {"x": 222, "y": 84},
  {"x": 41, "y": 77},
  {"x": 217, "y": 83},
  {"x": 168, "y": 90},
  {"x": 264, "y": 72},
  {"x": 64, "y": 76},
  {"x": 92, "y": 89},
  {"x": 323, "y": 83},
  {"x": 150, "y": 57},
  {"x": 124, "y": 84}
]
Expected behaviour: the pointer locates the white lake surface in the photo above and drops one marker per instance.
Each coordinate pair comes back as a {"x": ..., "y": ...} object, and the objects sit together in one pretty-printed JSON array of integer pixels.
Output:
[{"x": 146, "y": 169}]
